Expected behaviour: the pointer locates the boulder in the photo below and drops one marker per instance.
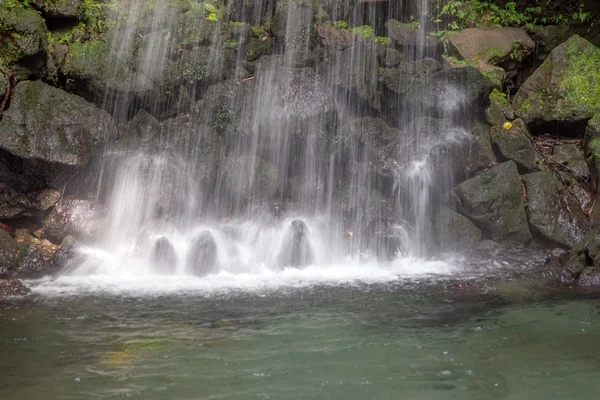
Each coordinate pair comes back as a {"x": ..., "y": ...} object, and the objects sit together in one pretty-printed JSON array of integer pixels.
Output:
[
  {"x": 552, "y": 213},
  {"x": 33, "y": 262},
  {"x": 24, "y": 37},
  {"x": 293, "y": 28},
  {"x": 501, "y": 47},
  {"x": 13, "y": 287},
  {"x": 493, "y": 200},
  {"x": 589, "y": 277},
  {"x": 50, "y": 125},
  {"x": 393, "y": 57},
  {"x": 585, "y": 254},
  {"x": 454, "y": 91},
  {"x": 78, "y": 218},
  {"x": 202, "y": 255},
  {"x": 33, "y": 204},
  {"x": 8, "y": 253},
  {"x": 400, "y": 79},
  {"x": 411, "y": 36},
  {"x": 163, "y": 259},
  {"x": 296, "y": 250},
  {"x": 455, "y": 232},
  {"x": 514, "y": 142},
  {"x": 354, "y": 72},
  {"x": 564, "y": 88},
  {"x": 67, "y": 255},
  {"x": 60, "y": 8}
]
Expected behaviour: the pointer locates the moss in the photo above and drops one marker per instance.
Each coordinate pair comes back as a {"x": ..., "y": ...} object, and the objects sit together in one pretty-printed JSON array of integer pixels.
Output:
[
  {"x": 499, "y": 98},
  {"x": 383, "y": 40},
  {"x": 365, "y": 32},
  {"x": 62, "y": 137},
  {"x": 581, "y": 80}
]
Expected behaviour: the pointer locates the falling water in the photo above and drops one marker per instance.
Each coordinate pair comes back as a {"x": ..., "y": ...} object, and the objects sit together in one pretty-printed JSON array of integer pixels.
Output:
[{"x": 230, "y": 167}]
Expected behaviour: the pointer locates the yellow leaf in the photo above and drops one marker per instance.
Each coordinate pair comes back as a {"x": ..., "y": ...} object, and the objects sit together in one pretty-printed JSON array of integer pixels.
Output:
[
  {"x": 350, "y": 233},
  {"x": 508, "y": 126}
]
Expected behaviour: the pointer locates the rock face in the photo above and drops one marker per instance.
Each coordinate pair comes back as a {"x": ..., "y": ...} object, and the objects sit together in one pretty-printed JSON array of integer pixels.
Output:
[
  {"x": 79, "y": 218},
  {"x": 202, "y": 255},
  {"x": 449, "y": 92},
  {"x": 564, "y": 88},
  {"x": 456, "y": 232},
  {"x": 402, "y": 77},
  {"x": 296, "y": 250},
  {"x": 47, "y": 124},
  {"x": 502, "y": 47},
  {"x": 493, "y": 201},
  {"x": 410, "y": 35},
  {"x": 553, "y": 214},
  {"x": 13, "y": 287}
]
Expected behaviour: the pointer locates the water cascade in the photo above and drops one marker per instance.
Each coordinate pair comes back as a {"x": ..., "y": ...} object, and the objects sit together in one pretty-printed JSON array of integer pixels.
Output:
[{"x": 264, "y": 135}]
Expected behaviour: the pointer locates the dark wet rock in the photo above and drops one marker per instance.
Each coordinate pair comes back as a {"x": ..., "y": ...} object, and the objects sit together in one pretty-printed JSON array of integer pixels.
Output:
[
  {"x": 450, "y": 92},
  {"x": 79, "y": 218},
  {"x": 13, "y": 287},
  {"x": 455, "y": 232},
  {"x": 259, "y": 47},
  {"x": 67, "y": 255},
  {"x": 59, "y": 8},
  {"x": 15, "y": 205},
  {"x": 202, "y": 255},
  {"x": 589, "y": 277},
  {"x": 24, "y": 37},
  {"x": 514, "y": 142},
  {"x": 585, "y": 253},
  {"x": 296, "y": 250},
  {"x": 8, "y": 253},
  {"x": 553, "y": 214},
  {"x": 33, "y": 262},
  {"x": 294, "y": 28},
  {"x": 547, "y": 38},
  {"x": 410, "y": 35},
  {"x": 564, "y": 88},
  {"x": 163, "y": 258},
  {"x": 493, "y": 200},
  {"x": 246, "y": 179},
  {"x": 50, "y": 125},
  {"x": 400, "y": 79},
  {"x": 206, "y": 64},
  {"x": 354, "y": 71},
  {"x": 501, "y": 47},
  {"x": 393, "y": 57},
  {"x": 336, "y": 38},
  {"x": 571, "y": 156}
]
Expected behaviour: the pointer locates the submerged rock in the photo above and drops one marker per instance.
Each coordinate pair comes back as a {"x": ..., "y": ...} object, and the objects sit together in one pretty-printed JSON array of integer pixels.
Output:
[
  {"x": 163, "y": 259},
  {"x": 202, "y": 255},
  {"x": 296, "y": 250},
  {"x": 564, "y": 88},
  {"x": 493, "y": 200},
  {"x": 552, "y": 212}
]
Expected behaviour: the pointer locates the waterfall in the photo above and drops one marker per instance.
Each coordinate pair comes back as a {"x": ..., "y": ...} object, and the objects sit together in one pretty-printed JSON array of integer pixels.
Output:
[{"x": 230, "y": 161}]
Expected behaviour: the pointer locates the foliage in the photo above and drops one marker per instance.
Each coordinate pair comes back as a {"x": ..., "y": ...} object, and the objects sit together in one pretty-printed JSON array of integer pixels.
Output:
[
  {"x": 471, "y": 13},
  {"x": 364, "y": 31},
  {"x": 383, "y": 40},
  {"x": 340, "y": 25}
]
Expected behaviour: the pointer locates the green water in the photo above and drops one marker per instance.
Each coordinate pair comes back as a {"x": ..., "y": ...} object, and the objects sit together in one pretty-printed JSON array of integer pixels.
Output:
[{"x": 369, "y": 342}]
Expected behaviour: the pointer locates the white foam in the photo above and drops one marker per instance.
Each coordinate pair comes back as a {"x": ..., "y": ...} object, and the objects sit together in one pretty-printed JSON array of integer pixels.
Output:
[{"x": 132, "y": 281}]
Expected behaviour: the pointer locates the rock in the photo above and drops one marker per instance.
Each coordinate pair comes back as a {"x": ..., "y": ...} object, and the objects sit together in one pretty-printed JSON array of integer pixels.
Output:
[
  {"x": 247, "y": 179},
  {"x": 547, "y": 38},
  {"x": 336, "y": 38},
  {"x": 589, "y": 277},
  {"x": 24, "y": 36},
  {"x": 296, "y": 250},
  {"x": 50, "y": 125},
  {"x": 205, "y": 64},
  {"x": 592, "y": 153},
  {"x": 33, "y": 262},
  {"x": 501, "y": 47},
  {"x": 13, "y": 287},
  {"x": 552, "y": 213},
  {"x": 8, "y": 253},
  {"x": 493, "y": 201},
  {"x": 393, "y": 57},
  {"x": 67, "y": 256},
  {"x": 564, "y": 88},
  {"x": 410, "y": 35},
  {"x": 15, "y": 205},
  {"x": 294, "y": 27},
  {"x": 571, "y": 156},
  {"x": 516, "y": 144},
  {"x": 202, "y": 255},
  {"x": 399, "y": 80},
  {"x": 455, "y": 232},
  {"x": 354, "y": 71},
  {"x": 449, "y": 92},
  {"x": 586, "y": 253},
  {"x": 78, "y": 218},
  {"x": 59, "y": 9},
  {"x": 163, "y": 258},
  {"x": 259, "y": 47}
]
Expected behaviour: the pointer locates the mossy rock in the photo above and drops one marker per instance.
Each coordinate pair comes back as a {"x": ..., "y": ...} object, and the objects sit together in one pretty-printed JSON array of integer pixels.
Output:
[
  {"x": 48, "y": 124},
  {"x": 493, "y": 200},
  {"x": 410, "y": 35},
  {"x": 259, "y": 47},
  {"x": 59, "y": 8},
  {"x": 514, "y": 142},
  {"x": 553, "y": 214},
  {"x": 399, "y": 80},
  {"x": 565, "y": 88}
]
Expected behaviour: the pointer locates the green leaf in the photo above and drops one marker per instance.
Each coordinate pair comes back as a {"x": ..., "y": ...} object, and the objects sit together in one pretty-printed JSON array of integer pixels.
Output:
[
  {"x": 210, "y": 8},
  {"x": 212, "y": 17}
]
